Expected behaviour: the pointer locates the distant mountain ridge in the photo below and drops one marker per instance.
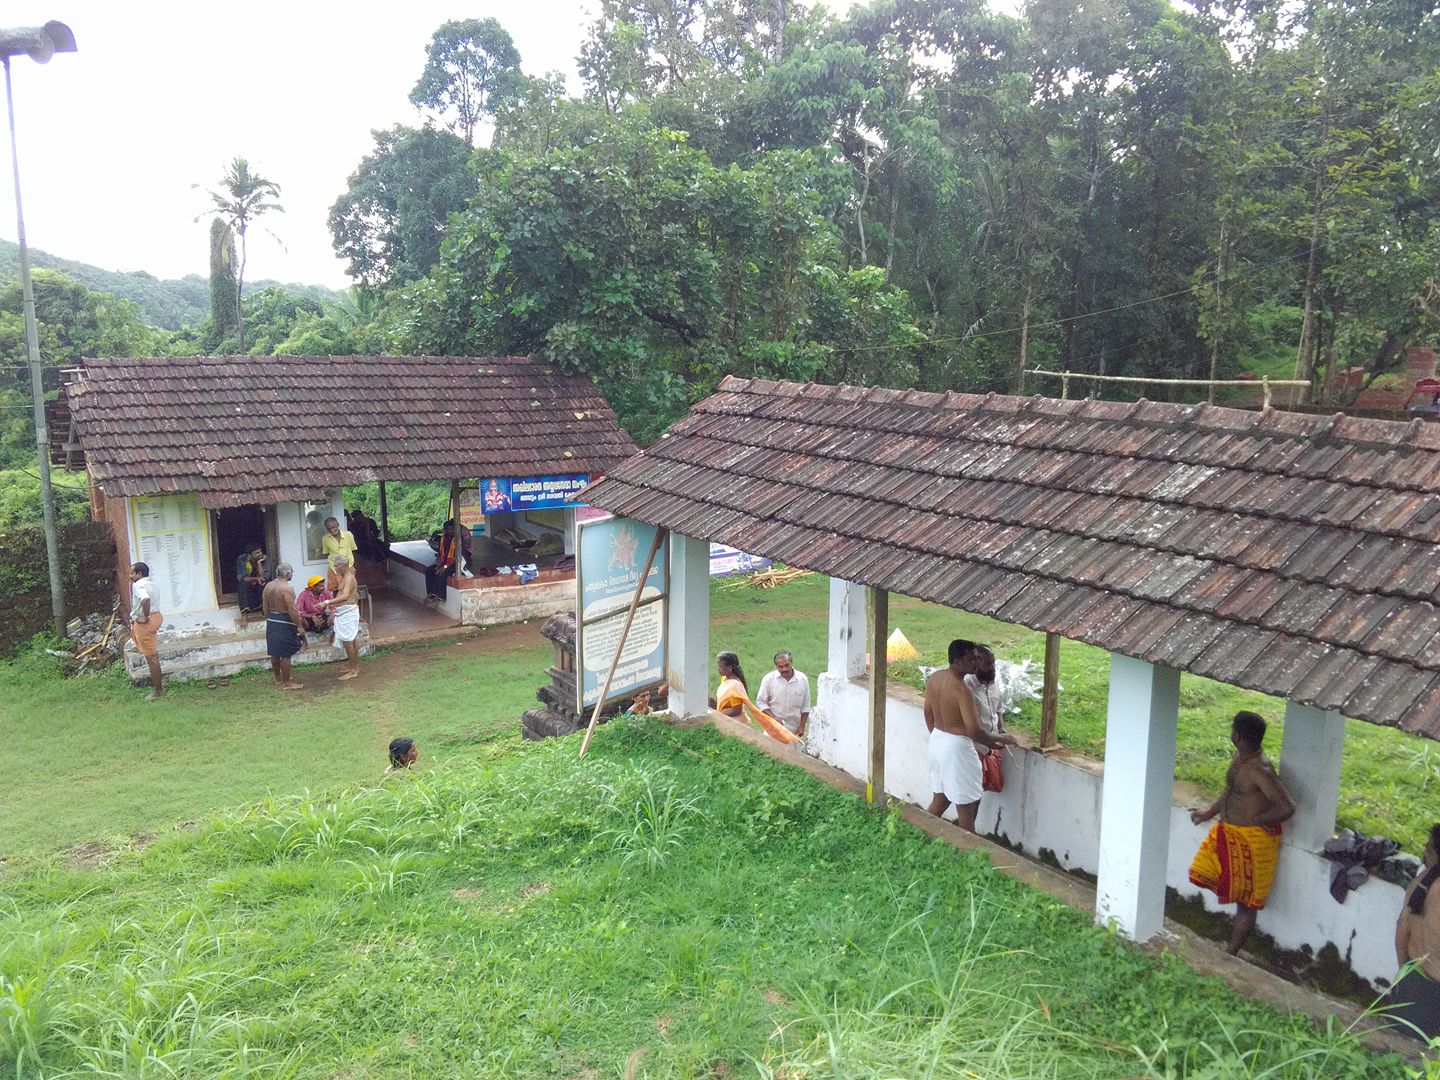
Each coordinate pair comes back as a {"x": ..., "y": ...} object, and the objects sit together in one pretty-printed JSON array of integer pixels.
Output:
[{"x": 167, "y": 303}]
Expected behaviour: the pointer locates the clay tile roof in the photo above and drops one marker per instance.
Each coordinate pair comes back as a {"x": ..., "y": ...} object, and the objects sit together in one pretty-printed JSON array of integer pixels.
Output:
[
  {"x": 1290, "y": 554},
  {"x": 276, "y": 428}
]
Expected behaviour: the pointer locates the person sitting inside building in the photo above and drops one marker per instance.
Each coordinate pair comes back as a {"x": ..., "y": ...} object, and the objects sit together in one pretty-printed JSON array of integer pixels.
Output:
[
  {"x": 310, "y": 604},
  {"x": 252, "y": 571},
  {"x": 438, "y": 574},
  {"x": 369, "y": 543}
]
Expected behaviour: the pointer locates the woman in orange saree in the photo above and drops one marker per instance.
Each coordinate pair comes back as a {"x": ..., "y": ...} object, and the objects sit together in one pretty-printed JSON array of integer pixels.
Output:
[{"x": 733, "y": 699}]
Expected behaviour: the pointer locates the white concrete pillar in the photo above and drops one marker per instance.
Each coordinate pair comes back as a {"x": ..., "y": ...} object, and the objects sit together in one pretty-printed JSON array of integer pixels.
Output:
[
  {"x": 1135, "y": 802},
  {"x": 687, "y": 666},
  {"x": 1310, "y": 770},
  {"x": 847, "y": 630}
]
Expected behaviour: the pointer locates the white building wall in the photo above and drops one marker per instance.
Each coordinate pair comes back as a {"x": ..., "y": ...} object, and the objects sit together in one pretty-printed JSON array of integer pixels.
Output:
[
  {"x": 290, "y": 527},
  {"x": 1052, "y": 805}
]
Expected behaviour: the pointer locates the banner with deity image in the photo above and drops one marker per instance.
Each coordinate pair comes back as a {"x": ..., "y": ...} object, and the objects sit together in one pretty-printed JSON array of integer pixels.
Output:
[{"x": 610, "y": 555}]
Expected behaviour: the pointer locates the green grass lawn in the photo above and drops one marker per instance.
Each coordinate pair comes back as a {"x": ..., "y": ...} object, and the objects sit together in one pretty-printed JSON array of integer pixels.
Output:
[
  {"x": 93, "y": 762},
  {"x": 675, "y": 905}
]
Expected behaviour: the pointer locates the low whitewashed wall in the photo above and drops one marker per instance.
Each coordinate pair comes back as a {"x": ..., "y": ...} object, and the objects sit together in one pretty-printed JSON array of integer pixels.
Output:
[
  {"x": 1052, "y": 804},
  {"x": 515, "y": 603}
]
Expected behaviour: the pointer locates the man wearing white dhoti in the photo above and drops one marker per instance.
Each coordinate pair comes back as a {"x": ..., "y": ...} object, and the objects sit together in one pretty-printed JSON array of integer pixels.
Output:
[{"x": 955, "y": 732}]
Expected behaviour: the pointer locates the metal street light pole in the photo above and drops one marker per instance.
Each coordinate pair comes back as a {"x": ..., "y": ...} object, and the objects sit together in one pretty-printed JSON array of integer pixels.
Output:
[{"x": 39, "y": 43}]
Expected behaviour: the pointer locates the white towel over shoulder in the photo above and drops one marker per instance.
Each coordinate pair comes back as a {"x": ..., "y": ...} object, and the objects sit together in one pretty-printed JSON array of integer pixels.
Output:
[{"x": 955, "y": 767}]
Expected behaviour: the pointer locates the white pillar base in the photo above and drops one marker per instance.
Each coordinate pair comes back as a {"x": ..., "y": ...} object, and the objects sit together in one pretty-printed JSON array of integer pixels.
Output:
[
  {"x": 1310, "y": 757},
  {"x": 847, "y": 630},
  {"x": 1140, "y": 730},
  {"x": 687, "y": 666}
]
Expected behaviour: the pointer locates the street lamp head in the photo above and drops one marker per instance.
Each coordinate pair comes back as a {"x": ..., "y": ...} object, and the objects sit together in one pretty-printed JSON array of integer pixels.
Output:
[{"x": 37, "y": 42}]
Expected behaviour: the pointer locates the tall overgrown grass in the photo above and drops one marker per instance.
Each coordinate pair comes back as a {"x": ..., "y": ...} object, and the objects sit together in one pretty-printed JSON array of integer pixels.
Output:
[{"x": 675, "y": 901}]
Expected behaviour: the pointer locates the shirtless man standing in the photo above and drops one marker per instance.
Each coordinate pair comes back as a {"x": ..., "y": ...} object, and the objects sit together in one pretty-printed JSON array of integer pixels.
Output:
[
  {"x": 346, "y": 608},
  {"x": 1237, "y": 859},
  {"x": 955, "y": 731}
]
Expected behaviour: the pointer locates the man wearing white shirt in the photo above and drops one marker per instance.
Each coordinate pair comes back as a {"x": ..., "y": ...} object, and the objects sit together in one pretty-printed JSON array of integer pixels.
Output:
[
  {"x": 785, "y": 694},
  {"x": 144, "y": 623},
  {"x": 981, "y": 682}
]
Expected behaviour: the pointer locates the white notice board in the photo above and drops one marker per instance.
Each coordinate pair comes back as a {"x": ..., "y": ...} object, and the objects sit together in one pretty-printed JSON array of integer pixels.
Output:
[{"x": 172, "y": 537}]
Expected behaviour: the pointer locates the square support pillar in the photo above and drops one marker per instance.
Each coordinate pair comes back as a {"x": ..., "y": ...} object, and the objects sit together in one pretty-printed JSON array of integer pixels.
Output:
[
  {"x": 1310, "y": 756},
  {"x": 847, "y": 630},
  {"x": 1135, "y": 803},
  {"x": 687, "y": 665}
]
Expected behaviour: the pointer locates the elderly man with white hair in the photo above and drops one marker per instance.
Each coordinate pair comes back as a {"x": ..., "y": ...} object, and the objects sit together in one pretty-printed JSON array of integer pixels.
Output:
[
  {"x": 346, "y": 607},
  {"x": 284, "y": 631}
]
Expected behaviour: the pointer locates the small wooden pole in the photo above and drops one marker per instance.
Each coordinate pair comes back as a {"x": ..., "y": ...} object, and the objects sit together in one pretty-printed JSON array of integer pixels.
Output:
[
  {"x": 619, "y": 645},
  {"x": 1050, "y": 692},
  {"x": 384, "y": 515},
  {"x": 1065, "y": 386},
  {"x": 879, "y": 675}
]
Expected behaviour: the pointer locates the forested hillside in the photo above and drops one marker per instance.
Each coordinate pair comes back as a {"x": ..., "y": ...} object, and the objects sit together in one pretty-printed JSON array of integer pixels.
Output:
[
  {"x": 924, "y": 192},
  {"x": 166, "y": 303}
]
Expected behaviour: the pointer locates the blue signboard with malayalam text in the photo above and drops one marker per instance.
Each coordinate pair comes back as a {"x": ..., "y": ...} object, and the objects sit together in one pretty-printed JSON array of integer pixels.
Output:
[{"x": 501, "y": 496}]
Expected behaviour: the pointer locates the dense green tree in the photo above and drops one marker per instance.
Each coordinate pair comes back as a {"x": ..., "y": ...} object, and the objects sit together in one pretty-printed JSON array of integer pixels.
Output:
[
  {"x": 389, "y": 223},
  {"x": 935, "y": 193},
  {"x": 73, "y": 322},
  {"x": 273, "y": 314},
  {"x": 636, "y": 260},
  {"x": 471, "y": 68}
]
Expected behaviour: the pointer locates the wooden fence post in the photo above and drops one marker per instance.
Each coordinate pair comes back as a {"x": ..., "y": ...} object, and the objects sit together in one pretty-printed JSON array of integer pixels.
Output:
[
  {"x": 1050, "y": 692},
  {"x": 879, "y": 675}
]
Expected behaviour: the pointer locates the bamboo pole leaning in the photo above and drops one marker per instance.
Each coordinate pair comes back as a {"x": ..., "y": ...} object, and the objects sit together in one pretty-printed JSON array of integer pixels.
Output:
[{"x": 620, "y": 644}]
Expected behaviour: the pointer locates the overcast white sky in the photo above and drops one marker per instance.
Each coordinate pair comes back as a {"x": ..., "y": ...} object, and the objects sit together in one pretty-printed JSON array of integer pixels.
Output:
[{"x": 162, "y": 94}]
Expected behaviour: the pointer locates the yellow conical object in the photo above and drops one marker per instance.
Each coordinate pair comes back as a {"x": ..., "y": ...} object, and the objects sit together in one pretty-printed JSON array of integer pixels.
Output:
[{"x": 898, "y": 647}]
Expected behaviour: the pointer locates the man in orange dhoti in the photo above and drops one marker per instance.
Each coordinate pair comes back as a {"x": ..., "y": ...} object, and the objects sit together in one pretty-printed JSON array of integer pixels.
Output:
[
  {"x": 1237, "y": 859},
  {"x": 144, "y": 625}
]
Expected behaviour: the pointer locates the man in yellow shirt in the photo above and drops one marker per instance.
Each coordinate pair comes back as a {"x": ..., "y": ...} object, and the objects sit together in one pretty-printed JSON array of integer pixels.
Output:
[{"x": 334, "y": 543}]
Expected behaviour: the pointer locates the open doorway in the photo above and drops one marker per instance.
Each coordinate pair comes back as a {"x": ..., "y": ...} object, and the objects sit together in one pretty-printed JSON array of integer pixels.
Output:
[{"x": 238, "y": 528}]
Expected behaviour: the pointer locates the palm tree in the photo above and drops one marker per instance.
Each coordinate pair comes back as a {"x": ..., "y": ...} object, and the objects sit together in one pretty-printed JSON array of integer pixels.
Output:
[{"x": 243, "y": 197}]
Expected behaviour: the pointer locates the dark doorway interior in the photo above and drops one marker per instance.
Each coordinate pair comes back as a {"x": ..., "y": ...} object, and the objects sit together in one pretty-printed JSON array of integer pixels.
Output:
[{"x": 236, "y": 528}]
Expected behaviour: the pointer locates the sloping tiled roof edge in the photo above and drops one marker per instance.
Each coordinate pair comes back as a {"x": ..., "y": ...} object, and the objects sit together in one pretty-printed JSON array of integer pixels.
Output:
[
  {"x": 266, "y": 429},
  {"x": 1290, "y": 554}
]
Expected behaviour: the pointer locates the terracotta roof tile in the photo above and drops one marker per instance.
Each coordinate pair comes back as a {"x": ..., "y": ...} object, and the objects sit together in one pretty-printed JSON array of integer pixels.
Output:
[
  {"x": 1297, "y": 555},
  {"x": 262, "y": 429}
]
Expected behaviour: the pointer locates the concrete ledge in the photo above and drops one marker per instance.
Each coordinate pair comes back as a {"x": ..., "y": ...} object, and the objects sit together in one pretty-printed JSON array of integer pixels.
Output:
[{"x": 1203, "y": 956}]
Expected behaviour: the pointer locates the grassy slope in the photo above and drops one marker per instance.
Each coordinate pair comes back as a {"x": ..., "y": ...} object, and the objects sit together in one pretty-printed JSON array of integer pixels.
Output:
[
  {"x": 503, "y": 918},
  {"x": 127, "y": 767}
]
